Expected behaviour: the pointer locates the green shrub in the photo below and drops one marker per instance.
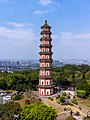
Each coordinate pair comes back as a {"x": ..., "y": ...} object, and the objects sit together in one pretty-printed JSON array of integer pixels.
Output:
[
  {"x": 74, "y": 97},
  {"x": 68, "y": 96},
  {"x": 74, "y": 101},
  {"x": 85, "y": 118},
  {"x": 64, "y": 94},
  {"x": 89, "y": 97},
  {"x": 57, "y": 97},
  {"x": 51, "y": 99},
  {"x": 18, "y": 97},
  {"x": 77, "y": 113},
  {"x": 62, "y": 99},
  {"x": 81, "y": 93},
  {"x": 70, "y": 118},
  {"x": 9, "y": 91},
  {"x": 40, "y": 99}
]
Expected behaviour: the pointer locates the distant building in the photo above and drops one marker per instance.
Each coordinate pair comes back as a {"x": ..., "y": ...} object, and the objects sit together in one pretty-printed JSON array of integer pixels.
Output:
[{"x": 46, "y": 87}]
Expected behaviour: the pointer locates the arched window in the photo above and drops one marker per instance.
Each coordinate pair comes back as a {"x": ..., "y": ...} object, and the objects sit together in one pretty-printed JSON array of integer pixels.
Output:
[
  {"x": 47, "y": 73},
  {"x": 42, "y": 64},
  {"x": 42, "y": 82},
  {"x": 47, "y": 57},
  {"x": 43, "y": 57},
  {"x": 47, "y": 65},
  {"x": 47, "y": 42},
  {"x": 47, "y": 82},
  {"x": 47, "y": 49}
]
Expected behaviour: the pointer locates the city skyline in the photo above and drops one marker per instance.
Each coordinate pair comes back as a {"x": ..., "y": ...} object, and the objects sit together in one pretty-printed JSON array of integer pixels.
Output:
[{"x": 20, "y": 23}]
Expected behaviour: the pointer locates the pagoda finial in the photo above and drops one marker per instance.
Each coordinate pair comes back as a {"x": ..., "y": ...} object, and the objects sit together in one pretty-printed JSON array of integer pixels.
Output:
[
  {"x": 45, "y": 21},
  {"x": 46, "y": 24}
]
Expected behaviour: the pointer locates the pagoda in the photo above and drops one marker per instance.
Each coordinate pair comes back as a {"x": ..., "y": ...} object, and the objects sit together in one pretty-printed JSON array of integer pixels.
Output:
[{"x": 46, "y": 87}]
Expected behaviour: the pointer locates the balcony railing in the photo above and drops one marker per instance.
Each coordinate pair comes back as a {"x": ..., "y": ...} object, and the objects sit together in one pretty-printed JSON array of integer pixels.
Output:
[
  {"x": 46, "y": 68},
  {"x": 45, "y": 76},
  {"x": 46, "y": 45},
  {"x": 46, "y": 60},
  {"x": 46, "y": 86},
  {"x": 46, "y": 53},
  {"x": 46, "y": 39}
]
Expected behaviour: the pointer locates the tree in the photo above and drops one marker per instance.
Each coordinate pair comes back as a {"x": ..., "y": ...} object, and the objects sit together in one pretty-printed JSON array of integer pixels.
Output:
[
  {"x": 83, "y": 76},
  {"x": 73, "y": 76},
  {"x": 81, "y": 93},
  {"x": 3, "y": 84},
  {"x": 84, "y": 86},
  {"x": 37, "y": 111},
  {"x": 8, "y": 110},
  {"x": 70, "y": 118},
  {"x": 23, "y": 80}
]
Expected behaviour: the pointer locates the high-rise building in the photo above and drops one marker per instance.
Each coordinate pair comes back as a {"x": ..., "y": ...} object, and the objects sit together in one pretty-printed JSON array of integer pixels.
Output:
[{"x": 46, "y": 87}]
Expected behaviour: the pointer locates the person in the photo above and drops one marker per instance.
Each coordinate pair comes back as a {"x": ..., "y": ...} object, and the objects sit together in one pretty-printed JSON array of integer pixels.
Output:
[
  {"x": 87, "y": 114},
  {"x": 71, "y": 112},
  {"x": 79, "y": 108},
  {"x": 68, "y": 107}
]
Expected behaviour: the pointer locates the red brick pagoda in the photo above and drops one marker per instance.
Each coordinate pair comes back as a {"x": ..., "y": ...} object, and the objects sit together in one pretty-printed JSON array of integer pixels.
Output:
[{"x": 46, "y": 87}]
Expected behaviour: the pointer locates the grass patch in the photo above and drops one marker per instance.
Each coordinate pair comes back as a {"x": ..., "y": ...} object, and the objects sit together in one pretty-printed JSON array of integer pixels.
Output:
[
  {"x": 21, "y": 102},
  {"x": 84, "y": 103},
  {"x": 59, "y": 108}
]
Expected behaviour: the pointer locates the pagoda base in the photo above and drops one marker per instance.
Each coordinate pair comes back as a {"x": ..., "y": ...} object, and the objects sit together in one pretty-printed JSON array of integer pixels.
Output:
[{"x": 46, "y": 91}]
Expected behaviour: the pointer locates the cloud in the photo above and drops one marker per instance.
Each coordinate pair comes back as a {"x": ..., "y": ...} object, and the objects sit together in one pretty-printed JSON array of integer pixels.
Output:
[
  {"x": 71, "y": 36},
  {"x": 48, "y": 2},
  {"x": 18, "y": 25},
  {"x": 19, "y": 43},
  {"x": 41, "y": 12},
  {"x": 45, "y": 2},
  {"x": 71, "y": 45},
  {"x": 53, "y": 6},
  {"x": 16, "y": 36},
  {"x": 74, "y": 36}
]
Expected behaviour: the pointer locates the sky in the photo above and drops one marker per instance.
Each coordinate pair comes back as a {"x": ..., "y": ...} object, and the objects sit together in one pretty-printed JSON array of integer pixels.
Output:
[{"x": 20, "y": 22}]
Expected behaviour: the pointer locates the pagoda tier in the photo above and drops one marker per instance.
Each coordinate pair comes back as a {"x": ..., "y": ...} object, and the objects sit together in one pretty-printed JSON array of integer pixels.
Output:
[
  {"x": 46, "y": 85},
  {"x": 46, "y": 39}
]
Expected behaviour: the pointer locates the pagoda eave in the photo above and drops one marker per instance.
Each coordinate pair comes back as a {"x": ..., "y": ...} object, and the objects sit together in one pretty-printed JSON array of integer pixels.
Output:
[
  {"x": 45, "y": 53},
  {"x": 46, "y": 32},
  {"x": 45, "y": 68},
  {"x": 47, "y": 46},
  {"x": 46, "y": 39},
  {"x": 46, "y": 60},
  {"x": 44, "y": 86}
]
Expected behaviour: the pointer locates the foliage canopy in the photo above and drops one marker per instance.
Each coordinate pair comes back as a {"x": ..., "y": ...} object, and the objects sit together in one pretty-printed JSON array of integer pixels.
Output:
[{"x": 38, "y": 111}]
